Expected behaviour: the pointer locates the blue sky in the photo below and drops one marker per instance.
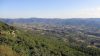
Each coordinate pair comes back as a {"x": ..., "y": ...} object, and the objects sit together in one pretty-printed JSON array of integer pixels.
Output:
[{"x": 50, "y": 8}]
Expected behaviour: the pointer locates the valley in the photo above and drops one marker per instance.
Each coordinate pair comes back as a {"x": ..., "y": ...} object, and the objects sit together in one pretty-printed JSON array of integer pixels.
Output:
[{"x": 48, "y": 39}]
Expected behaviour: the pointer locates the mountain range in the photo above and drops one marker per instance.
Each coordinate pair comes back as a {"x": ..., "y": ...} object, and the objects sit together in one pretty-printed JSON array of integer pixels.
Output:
[{"x": 74, "y": 21}]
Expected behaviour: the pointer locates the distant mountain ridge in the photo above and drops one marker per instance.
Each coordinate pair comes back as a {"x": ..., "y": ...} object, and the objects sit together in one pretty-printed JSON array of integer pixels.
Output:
[{"x": 74, "y": 21}]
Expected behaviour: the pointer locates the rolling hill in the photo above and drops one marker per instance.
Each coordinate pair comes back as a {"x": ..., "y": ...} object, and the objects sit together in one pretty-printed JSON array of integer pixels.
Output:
[
  {"x": 94, "y": 22},
  {"x": 16, "y": 41}
]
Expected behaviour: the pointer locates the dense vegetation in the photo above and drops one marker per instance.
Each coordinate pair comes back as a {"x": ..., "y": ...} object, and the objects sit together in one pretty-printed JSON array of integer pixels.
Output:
[{"x": 18, "y": 42}]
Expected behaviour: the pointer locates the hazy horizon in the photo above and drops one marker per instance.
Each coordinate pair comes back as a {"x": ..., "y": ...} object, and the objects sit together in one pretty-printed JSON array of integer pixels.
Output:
[{"x": 50, "y": 8}]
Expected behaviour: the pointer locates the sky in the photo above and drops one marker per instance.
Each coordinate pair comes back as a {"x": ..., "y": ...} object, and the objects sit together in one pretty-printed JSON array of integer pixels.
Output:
[{"x": 50, "y": 8}]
